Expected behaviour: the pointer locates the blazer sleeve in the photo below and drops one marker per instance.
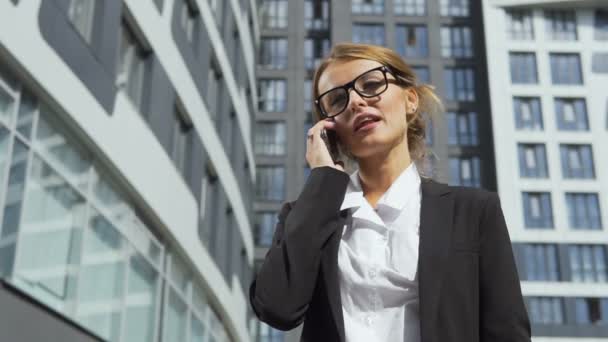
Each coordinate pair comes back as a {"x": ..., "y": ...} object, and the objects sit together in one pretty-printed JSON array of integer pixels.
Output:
[
  {"x": 283, "y": 287},
  {"x": 503, "y": 316}
]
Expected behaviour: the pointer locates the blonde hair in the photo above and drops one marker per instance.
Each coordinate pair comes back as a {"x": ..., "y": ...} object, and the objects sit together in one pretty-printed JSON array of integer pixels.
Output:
[{"x": 429, "y": 104}]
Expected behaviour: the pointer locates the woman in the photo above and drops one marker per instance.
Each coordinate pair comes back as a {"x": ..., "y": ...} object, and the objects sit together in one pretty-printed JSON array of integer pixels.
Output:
[{"x": 385, "y": 254}]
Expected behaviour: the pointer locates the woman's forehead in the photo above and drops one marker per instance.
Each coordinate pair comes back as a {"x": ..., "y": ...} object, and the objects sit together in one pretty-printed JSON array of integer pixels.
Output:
[{"x": 339, "y": 73}]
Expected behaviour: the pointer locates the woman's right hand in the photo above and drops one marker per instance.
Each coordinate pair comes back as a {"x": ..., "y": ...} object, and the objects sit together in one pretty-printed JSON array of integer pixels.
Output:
[{"x": 317, "y": 153}]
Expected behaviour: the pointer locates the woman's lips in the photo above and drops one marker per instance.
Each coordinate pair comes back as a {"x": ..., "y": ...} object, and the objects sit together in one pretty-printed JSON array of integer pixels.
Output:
[{"x": 368, "y": 126}]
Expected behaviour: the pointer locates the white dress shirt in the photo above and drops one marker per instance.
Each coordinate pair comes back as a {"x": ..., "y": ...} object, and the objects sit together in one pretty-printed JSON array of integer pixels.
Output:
[{"x": 378, "y": 258}]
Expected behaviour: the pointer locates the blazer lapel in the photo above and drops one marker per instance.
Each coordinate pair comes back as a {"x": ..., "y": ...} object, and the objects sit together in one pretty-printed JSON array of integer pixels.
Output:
[
  {"x": 435, "y": 235},
  {"x": 329, "y": 267}
]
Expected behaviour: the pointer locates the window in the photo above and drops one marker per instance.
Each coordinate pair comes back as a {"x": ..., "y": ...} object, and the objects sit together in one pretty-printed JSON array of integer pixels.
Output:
[
  {"x": 571, "y": 114},
  {"x": 428, "y": 134},
  {"x": 460, "y": 84},
  {"x": 566, "y": 68},
  {"x": 410, "y": 7},
  {"x": 368, "y": 34},
  {"x": 583, "y": 211},
  {"x": 308, "y": 96},
  {"x": 374, "y": 7},
  {"x": 214, "y": 91},
  {"x": 131, "y": 65},
  {"x": 315, "y": 49},
  {"x": 591, "y": 311},
  {"x": 270, "y": 138},
  {"x": 412, "y": 41},
  {"x": 520, "y": 25},
  {"x": 159, "y": 5},
  {"x": 265, "y": 225},
  {"x": 532, "y": 161},
  {"x": 462, "y": 129},
  {"x": 82, "y": 14},
  {"x": 528, "y": 113},
  {"x": 465, "y": 171},
  {"x": 8, "y": 101},
  {"x": 182, "y": 141},
  {"x": 268, "y": 334},
  {"x": 546, "y": 310},
  {"x": 273, "y": 53},
  {"x": 588, "y": 263},
  {"x": 422, "y": 74},
  {"x": 538, "y": 212},
  {"x": 577, "y": 161},
  {"x": 273, "y": 14},
  {"x": 456, "y": 42},
  {"x": 601, "y": 24},
  {"x": 217, "y": 10},
  {"x": 541, "y": 262},
  {"x": 273, "y": 95},
  {"x": 454, "y": 8},
  {"x": 189, "y": 21},
  {"x": 270, "y": 184},
  {"x": 523, "y": 67},
  {"x": 316, "y": 14},
  {"x": 599, "y": 62},
  {"x": 561, "y": 24}
]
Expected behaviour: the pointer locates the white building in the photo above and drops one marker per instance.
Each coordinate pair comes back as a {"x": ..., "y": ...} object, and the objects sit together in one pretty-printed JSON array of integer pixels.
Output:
[
  {"x": 126, "y": 169},
  {"x": 548, "y": 76}
]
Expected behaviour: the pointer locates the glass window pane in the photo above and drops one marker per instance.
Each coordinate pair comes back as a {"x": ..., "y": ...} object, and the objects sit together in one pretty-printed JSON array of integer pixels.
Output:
[
  {"x": 7, "y": 106},
  {"x": 13, "y": 203},
  {"x": 373, "y": 7},
  {"x": 101, "y": 278},
  {"x": 197, "y": 330},
  {"x": 53, "y": 219},
  {"x": 561, "y": 24},
  {"x": 409, "y": 7},
  {"x": 142, "y": 296},
  {"x": 369, "y": 34},
  {"x": 175, "y": 318},
  {"x": 81, "y": 14},
  {"x": 454, "y": 8},
  {"x": 55, "y": 144}
]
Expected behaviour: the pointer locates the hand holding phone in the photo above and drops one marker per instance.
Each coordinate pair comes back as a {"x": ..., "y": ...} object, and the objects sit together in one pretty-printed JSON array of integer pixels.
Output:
[{"x": 322, "y": 148}]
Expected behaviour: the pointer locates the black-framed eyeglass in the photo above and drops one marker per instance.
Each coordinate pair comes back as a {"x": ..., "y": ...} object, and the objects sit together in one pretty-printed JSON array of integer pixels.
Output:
[{"x": 369, "y": 84}]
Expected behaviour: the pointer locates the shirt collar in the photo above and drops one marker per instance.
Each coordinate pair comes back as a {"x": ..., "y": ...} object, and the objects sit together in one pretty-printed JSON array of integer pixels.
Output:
[{"x": 406, "y": 186}]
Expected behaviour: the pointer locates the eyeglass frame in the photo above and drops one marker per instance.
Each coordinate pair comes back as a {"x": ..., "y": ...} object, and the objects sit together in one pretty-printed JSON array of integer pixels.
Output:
[{"x": 351, "y": 85}]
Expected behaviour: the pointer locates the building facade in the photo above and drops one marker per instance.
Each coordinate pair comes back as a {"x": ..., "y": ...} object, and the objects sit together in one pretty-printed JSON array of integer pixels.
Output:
[
  {"x": 549, "y": 68},
  {"x": 126, "y": 169}
]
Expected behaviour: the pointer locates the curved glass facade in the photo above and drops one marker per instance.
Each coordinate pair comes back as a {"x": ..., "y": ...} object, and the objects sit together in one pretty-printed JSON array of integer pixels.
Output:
[{"x": 74, "y": 241}]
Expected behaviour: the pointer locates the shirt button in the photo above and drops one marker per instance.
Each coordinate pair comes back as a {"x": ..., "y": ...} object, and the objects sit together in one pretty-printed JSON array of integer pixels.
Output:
[
  {"x": 372, "y": 273},
  {"x": 369, "y": 320}
]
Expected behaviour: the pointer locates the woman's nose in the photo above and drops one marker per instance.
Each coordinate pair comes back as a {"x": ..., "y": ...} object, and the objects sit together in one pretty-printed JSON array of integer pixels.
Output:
[{"x": 355, "y": 100}]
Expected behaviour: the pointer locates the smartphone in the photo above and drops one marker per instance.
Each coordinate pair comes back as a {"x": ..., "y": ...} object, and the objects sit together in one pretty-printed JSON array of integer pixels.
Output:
[{"x": 331, "y": 141}]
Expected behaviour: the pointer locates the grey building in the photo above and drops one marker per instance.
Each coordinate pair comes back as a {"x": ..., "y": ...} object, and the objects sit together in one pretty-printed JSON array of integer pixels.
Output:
[
  {"x": 441, "y": 39},
  {"x": 126, "y": 169}
]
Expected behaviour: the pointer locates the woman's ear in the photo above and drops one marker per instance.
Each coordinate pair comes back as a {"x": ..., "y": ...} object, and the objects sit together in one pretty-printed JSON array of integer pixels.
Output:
[{"x": 411, "y": 99}]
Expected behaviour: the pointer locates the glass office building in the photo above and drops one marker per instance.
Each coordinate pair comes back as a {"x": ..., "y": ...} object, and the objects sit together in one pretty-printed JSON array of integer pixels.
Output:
[
  {"x": 126, "y": 169},
  {"x": 550, "y": 115}
]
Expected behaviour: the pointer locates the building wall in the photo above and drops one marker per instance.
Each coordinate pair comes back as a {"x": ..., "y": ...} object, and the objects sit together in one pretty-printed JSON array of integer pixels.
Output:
[
  {"x": 114, "y": 202},
  {"x": 511, "y": 184}
]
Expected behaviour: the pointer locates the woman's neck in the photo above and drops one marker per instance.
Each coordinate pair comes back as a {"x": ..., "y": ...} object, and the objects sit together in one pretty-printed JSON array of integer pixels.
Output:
[{"x": 379, "y": 171}]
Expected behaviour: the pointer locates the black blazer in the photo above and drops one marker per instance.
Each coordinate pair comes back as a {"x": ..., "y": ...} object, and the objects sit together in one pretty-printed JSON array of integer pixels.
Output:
[{"x": 468, "y": 284}]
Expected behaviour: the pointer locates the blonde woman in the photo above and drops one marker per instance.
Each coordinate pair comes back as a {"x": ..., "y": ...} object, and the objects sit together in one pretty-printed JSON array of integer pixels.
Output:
[{"x": 385, "y": 254}]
